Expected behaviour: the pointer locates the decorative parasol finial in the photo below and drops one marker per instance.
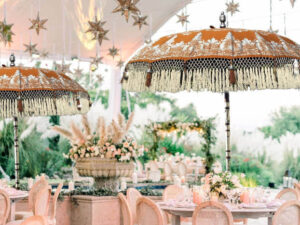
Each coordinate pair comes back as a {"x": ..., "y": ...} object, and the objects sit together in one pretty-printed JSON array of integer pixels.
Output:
[
  {"x": 222, "y": 20},
  {"x": 12, "y": 60}
]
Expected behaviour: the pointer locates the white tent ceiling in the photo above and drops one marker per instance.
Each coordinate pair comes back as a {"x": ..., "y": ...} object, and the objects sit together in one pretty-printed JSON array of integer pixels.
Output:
[{"x": 68, "y": 21}]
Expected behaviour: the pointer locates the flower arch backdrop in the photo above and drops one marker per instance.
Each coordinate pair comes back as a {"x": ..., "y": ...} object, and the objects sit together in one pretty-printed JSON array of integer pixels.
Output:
[{"x": 206, "y": 128}]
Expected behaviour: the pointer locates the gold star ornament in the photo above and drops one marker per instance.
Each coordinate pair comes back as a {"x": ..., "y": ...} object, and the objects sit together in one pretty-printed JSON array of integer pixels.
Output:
[
  {"x": 96, "y": 28},
  {"x": 6, "y": 32},
  {"x": 126, "y": 7},
  {"x": 140, "y": 21},
  {"x": 120, "y": 63},
  {"x": 113, "y": 52},
  {"x": 232, "y": 7},
  {"x": 31, "y": 48},
  {"x": 78, "y": 72},
  {"x": 62, "y": 68},
  {"x": 183, "y": 19},
  {"x": 38, "y": 24},
  {"x": 293, "y": 3}
]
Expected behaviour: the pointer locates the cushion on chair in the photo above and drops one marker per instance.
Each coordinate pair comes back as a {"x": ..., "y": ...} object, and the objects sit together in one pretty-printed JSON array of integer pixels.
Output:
[{"x": 16, "y": 222}]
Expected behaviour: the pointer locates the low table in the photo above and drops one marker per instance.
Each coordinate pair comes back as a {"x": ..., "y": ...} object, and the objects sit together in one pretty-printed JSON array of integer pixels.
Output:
[{"x": 238, "y": 213}]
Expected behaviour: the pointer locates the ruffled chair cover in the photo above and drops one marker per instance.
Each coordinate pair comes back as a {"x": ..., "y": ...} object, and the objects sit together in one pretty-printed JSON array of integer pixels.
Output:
[
  {"x": 287, "y": 214},
  {"x": 4, "y": 207},
  {"x": 125, "y": 210},
  {"x": 132, "y": 196},
  {"x": 52, "y": 219},
  {"x": 148, "y": 213},
  {"x": 288, "y": 194},
  {"x": 212, "y": 213}
]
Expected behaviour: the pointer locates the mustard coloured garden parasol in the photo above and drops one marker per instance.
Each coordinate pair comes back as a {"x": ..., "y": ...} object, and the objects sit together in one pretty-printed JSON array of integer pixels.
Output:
[
  {"x": 28, "y": 92},
  {"x": 217, "y": 60}
]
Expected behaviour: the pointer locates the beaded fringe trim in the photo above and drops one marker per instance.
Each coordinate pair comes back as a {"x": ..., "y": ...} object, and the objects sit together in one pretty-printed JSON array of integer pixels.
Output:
[
  {"x": 43, "y": 107},
  {"x": 215, "y": 80}
]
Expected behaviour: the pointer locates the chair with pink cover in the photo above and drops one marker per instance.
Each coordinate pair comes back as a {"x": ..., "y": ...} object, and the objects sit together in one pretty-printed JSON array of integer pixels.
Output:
[
  {"x": 173, "y": 192},
  {"x": 132, "y": 196},
  {"x": 148, "y": 213},
  {"x": 287, "y": 214},
  {"x": 52, "y": 217},
  {"x": 125, "y": 210},
  {"x": 40, "y": 208},
  {"x": 35, "y": 220},
  {"x": 212, "y": 213},
  {"x": 288, "y": 194},
  {"x": 40, "y": 184},
  {"x": 42, "y": 202},
  {"x": 4, "y": 207}
]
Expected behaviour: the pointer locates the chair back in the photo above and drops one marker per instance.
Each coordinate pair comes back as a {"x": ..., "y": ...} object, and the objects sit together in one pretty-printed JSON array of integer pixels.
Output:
[
  {"x": 173, "y": 192},
  {"x": 54, "y": 203},
  {"x": 39, "y": 185},
  {"x": 4, "y": 207},
  {"x": 287, "y": 214},
  {"x": 182, "y": 169},
  {"x": 125, "y": 210},
  {"x": 212, "y": 213},
  {"x": 288, "y": 194},
  {"x": 167, "y": 171},
  {"x": 132, "y": 196},
  {"x": 42, "y": 202},
  {"x": 148, "y": 213},
  {"x": 35, "y": 220}
]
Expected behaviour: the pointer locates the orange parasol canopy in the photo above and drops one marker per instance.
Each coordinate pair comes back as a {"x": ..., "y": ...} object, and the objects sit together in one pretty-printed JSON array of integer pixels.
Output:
[
  {"x": 216, "y": 60},
  {"x": 39, "y": 92}
]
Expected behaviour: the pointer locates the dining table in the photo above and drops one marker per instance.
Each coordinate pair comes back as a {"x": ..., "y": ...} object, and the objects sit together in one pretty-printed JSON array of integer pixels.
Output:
[
  {"x": 238, "y": 212},
  {"x": 14, "y": 196}
]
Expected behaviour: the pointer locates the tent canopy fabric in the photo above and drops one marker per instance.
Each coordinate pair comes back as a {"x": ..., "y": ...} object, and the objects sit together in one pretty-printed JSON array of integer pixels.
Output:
[{"x": 68, "y": 21}]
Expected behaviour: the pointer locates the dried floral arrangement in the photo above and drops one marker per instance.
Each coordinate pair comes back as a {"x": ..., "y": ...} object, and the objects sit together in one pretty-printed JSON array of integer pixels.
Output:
[{"x": 108, "y": 141}]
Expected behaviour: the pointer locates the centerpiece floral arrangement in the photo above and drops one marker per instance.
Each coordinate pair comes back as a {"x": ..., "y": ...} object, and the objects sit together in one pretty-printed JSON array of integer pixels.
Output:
[
  {"x": 108, "y": 141},
  {"x": 220, "y": 183}
]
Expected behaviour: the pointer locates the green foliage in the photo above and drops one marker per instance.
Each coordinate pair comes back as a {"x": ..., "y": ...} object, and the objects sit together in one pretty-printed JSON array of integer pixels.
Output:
[
  {"x": 291, "y": 162},
  {"x": 286, "y": 120},
  {"x": 53, "y": 142},
  {"x": 35, "y": 155},
  {"x": 167, "y": 145}
]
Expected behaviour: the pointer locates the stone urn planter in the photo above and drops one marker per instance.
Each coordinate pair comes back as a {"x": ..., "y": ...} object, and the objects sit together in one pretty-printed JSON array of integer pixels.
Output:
[{"x": 106, "y": 172}]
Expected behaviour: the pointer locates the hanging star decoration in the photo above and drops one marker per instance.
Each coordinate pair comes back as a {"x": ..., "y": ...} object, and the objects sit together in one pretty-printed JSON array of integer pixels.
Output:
[
  {"x": 232, "y": 7},
  {"x": 99, "y": 78},
  {"x": 120, "y": 63},
  {"x": 31, "y": 48},
  {"x": 96, "y": 28},
  {"x": 6, "y": 32},
  {"x": 113, "y": 51},
  {"x": 62, "y": 68},
  {"x": 77, "y": 72},
  {"x": 38, "y": 24},
  {"x": 183, "y": 19},
  {"x": 140, "y": 21},
  {"x": 126, "y": 7},
  {"x": 95, "y": 62},
  {"x": 44, "y": 54},
  {"x": 293, "y": 3}
]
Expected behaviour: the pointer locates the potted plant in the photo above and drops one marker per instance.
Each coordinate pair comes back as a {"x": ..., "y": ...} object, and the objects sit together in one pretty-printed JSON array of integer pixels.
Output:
[{"x": 106, "y": 154}]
